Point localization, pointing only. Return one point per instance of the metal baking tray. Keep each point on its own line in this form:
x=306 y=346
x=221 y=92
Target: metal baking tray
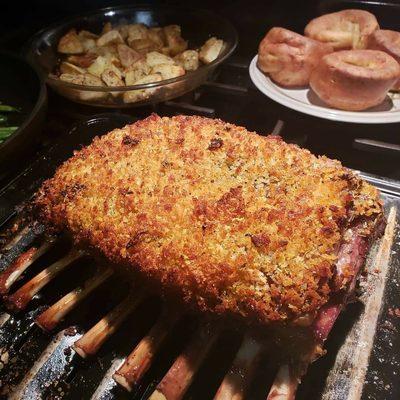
x=362 y=359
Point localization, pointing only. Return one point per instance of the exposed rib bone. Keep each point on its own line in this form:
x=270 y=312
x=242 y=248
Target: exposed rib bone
x=235 y=383
x=20 y=299
x=285 y=385
x=179 y=377
x=93 y=339
x=23 y=232
x=288 y=378
x=53 y=315
x=141 y=358
x=16 y=269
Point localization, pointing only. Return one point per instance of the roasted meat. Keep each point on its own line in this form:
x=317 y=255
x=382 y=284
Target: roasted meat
x=229 y=221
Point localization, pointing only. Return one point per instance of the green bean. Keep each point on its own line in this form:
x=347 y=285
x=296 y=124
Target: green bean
x=7 y=131
x=6 y=108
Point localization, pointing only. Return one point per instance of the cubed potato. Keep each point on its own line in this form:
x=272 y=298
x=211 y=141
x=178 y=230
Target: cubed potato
x=70 y=43
x=137 y=31
x=157 y=36
x=88 y=40
x=175 y=42
x=106 y=28
x=127 y=55
x=106 y=51
x=143 y=46
x=111 y=37
x=136 y=71
x=111 y=78
x=133 y=96
x=123 y=30
x=154 y=58
x=91 y=80
x=87 y=35
x=88 y=44
x=104 y=62
x=83 y=61
x=98 y=66
x=168 y=71
x=68 y=68
x=87 y=80
x=210 y=50
x=189 y=60
x=82 y=79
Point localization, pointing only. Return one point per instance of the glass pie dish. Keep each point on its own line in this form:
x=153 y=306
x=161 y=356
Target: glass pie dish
x=197 y=27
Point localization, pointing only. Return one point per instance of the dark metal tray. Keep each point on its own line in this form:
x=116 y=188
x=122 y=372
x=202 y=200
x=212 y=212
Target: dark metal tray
x=361 y=350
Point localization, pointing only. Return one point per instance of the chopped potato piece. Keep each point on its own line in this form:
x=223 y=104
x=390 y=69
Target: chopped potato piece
x=111 y=37
x=127 y=55
x=123 y=30
x=106 y=51
x=157 y=36
x=132 y=96
x=70 y=43
x=168 y=71
x=143 y=45
x=88 y=44
x=136 y=71
x=87 y=35
x=210 y=50
x=98 y=67
x=111 y=78
x=82 y=79
x=106 y=28
x=137 y=31
x=175 y=42
x=189 y=60
x=68 y=68
x=83 y=61
x=87 y=80
x=88 y=40
x=101 y=63
x=154 y=58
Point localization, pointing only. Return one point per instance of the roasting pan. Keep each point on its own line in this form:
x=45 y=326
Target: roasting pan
x=362 y=359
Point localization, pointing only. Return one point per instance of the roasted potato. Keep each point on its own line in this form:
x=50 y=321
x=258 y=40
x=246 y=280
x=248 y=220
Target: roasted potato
x=133 y=96
x=157 y=36
x=68 y=68
x=210 y=50
x=87 y=80
x=110 y=78
x=127 y=55
x=189 y=60
x=137 y=31
x=106 y=28
x=175 y=43
x=70 y=43
x=154 y=58
x=111 y=37
x=143 y=46
x=83 y=61
x=136 y=71
x=168 y=71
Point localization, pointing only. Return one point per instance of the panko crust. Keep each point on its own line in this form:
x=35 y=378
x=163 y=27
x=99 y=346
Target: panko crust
x=233 y=222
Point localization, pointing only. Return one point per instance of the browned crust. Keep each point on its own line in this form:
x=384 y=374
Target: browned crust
x=250 y=227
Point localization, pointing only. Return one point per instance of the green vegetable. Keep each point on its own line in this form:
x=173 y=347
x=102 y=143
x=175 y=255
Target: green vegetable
x=7 y=131
x=6 y=108
x=3 y=118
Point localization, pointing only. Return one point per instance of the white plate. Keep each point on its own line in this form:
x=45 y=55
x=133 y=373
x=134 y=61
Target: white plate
x=306 y=101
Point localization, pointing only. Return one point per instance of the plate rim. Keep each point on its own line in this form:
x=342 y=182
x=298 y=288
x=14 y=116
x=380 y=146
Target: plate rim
x=378 y=117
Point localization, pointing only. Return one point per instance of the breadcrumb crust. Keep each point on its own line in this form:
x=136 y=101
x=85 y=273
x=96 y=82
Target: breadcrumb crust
x=234 y=222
